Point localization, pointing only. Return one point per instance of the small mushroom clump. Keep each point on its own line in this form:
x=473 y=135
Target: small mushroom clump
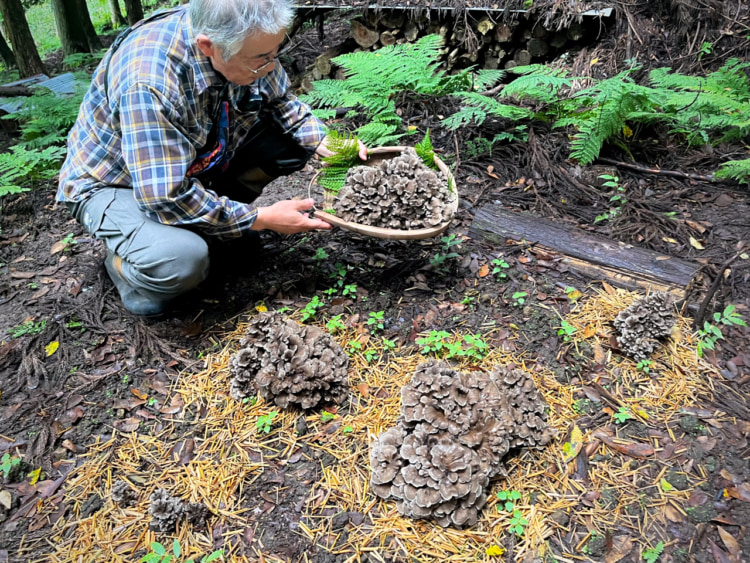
x=642 y=324
x=165 y=511
x=289 y=364
x=454 y=431
x=122 y=494
x=400 y=193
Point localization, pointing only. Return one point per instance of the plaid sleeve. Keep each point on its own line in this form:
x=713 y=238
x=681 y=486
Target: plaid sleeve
x=290 y=113
x=158 y=154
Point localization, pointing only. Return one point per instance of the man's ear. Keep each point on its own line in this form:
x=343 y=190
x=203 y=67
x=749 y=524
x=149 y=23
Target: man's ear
x=205 y=45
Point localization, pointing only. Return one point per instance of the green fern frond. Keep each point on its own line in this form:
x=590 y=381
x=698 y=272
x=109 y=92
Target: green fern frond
x=735 y=170
x=345 y=150
x=21 y=166
x=426 y=152
x=543 y=88
x=378 y=134
x=465 y=116
x=486 y=78
x=324 y=114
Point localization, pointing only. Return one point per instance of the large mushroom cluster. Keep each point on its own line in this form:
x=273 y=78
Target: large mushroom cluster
x=398 y=193
x=454 y=430
x=289 y=364
x=641 y=325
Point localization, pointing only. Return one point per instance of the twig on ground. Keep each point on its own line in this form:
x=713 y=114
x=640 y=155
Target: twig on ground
x=673 y=173
x=699 y=316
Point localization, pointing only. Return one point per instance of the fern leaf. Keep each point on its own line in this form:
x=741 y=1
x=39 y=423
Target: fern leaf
x=735 y=170
x=426 y=152
x=487 y=78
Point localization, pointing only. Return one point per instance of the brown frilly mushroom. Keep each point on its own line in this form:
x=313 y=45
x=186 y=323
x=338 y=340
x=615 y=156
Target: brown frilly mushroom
x=122 y=494
x=289 y=364
x=400 y=193
x=641 y=325
x=165 y=511
x=454 y=431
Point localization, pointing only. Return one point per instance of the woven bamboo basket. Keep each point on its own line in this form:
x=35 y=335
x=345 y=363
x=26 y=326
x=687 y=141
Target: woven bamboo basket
x=375 y=156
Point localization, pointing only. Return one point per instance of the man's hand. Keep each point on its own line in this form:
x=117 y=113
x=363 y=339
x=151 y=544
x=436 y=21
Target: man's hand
x=286 y=217
x=324 y=151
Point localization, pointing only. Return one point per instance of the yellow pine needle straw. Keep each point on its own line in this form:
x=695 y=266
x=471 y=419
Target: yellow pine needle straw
x=230 y=452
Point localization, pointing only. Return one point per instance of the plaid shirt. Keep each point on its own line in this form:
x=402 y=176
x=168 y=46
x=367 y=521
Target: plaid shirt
x=146 y=129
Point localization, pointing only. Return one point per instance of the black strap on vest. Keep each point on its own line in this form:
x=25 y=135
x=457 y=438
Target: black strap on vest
x=124 y=35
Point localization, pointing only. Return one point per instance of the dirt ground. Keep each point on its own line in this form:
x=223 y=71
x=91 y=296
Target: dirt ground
x=77 y=371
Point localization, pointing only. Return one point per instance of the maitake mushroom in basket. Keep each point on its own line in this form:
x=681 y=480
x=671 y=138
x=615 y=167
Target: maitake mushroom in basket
x=454 y=430
x=400 y=193
x=289 y=364
x=643 y=323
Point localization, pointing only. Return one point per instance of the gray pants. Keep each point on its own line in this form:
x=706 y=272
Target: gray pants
x=163 y=270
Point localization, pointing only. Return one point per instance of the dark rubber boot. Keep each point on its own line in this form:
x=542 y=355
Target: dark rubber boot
x=136 y=301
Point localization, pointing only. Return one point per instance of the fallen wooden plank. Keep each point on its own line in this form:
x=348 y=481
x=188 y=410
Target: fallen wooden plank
x=621 y=264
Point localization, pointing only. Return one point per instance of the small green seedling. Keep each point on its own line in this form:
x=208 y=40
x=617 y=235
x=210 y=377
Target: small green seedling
x=75 y=323
x=326 y=416
x=159 y=554
x=518 y=523
x=250 y=401
x=349 y=290
x=566 y=330
x=27 y=328
x=347 y=430
x=370 y=355
x=265 y=422
x=375 y=322
x=499 y=265
x=622 y=415
x=468 y=300
x=308 y=313
x=509 y=499
x=335 y=325
x=320 y=255
x=7 y=463
x=710 y=334
x=389 y=344
x=439 y=260
x=435 y=342
x=519 y=298
x=652 y=554
x=477 y=348
x=354 y=346
x=644 y=365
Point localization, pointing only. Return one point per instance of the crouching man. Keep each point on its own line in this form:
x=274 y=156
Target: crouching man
x=188 y=117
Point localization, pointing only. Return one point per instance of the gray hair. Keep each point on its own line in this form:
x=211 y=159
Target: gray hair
x=227 y=23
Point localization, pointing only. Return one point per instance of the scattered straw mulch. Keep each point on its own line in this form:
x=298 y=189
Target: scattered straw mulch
x=228 y=453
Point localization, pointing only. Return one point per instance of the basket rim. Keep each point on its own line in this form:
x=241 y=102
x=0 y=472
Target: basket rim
x=381 y=232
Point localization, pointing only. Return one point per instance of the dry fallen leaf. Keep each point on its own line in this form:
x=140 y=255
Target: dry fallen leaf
x=483 y=271
x=621 y=547
x=572 y=448
x=730 y=542
x=364 y=389
x=127 y=424
x=672 y=514
x=6 y=500
x=140 y=394
x=696 y=244
x=589 y=331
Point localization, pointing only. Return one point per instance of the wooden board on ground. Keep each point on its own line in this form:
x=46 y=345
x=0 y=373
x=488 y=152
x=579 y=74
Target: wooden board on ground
x=594 y=256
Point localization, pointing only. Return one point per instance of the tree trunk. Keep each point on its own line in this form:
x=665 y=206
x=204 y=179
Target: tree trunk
x=134 y=9
x=114 y=11
x=6 y=54
x=19 y=36
x=88 y=26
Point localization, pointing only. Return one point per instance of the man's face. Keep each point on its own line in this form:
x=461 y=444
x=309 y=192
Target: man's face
x=254 y=60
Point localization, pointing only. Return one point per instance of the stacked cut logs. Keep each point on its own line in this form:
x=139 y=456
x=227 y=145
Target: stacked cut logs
x=485 y=40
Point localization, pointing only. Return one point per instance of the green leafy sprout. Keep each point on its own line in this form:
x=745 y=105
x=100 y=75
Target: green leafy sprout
x=652 y=554
x=439 y=260
x=622 y=415
x=375 y=321
x=27 y=328
x=310 y=310
x=499 y=265
x=159 y=554
x=509 y=499
x=519 y=298
x=265 y=422
x=566 y=330
x=7 y=463
x=335 y=324
x=644 y=365
x=710 y=333
x=326 y=416
x=320 y=255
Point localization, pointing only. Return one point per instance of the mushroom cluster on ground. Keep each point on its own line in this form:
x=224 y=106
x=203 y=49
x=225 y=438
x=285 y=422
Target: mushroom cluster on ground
x=399 y=193
x=166 y=511
x=289 y=364
x=123 y=494
x=454 y=430
x=641 y=325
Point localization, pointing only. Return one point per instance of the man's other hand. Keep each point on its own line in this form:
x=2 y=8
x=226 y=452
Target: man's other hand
x=287 y=217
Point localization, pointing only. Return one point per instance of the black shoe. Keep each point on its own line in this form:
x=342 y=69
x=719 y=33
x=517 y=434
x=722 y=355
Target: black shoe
x=135 y=301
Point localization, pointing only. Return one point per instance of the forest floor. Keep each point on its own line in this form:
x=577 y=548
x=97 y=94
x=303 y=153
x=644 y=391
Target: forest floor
x=91 y=394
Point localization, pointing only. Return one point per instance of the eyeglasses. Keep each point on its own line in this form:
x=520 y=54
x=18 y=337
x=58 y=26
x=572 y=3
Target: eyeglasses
x=271 y=60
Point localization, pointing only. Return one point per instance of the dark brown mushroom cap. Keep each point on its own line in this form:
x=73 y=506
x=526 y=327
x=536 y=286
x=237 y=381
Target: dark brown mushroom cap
x=123 y=494
x=289 y=364
x=642 y=324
